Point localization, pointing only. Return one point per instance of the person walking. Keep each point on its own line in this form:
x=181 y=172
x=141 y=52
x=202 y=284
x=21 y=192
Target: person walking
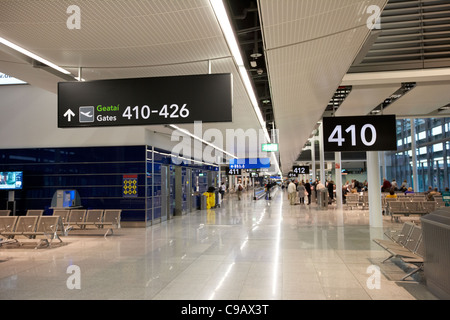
x=239 y=189
x=292 y=192
x=222 y=190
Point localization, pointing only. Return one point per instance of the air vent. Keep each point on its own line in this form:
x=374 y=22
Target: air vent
x=404 y=89
x=414 y=34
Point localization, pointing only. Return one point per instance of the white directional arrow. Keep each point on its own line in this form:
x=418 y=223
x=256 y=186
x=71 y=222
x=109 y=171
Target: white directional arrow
x=69 y=114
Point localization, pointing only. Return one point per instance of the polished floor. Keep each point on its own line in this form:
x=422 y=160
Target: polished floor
x=258 y=250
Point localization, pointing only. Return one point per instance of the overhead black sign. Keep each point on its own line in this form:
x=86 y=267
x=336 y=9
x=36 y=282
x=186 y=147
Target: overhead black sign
x=292 y=175
x=300 y=169
x=145 y=101
x=234 y=172
x=364 y=133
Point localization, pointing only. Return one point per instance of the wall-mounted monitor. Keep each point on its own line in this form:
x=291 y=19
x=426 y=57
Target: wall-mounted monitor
x=11 y=180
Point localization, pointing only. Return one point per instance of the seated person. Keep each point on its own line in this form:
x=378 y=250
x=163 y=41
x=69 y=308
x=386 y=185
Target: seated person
x=409 y=191
x=432 y=194
x=391 y=194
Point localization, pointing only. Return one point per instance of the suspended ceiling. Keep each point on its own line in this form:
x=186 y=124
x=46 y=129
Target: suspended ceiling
x=307 y=47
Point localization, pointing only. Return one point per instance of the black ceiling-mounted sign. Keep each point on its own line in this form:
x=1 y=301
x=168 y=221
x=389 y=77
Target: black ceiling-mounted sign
x=300 y=169
x=361 y=133
x=145 y=101
x=234 y=172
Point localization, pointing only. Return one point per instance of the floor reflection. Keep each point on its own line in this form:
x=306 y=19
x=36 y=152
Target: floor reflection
x=243 y=250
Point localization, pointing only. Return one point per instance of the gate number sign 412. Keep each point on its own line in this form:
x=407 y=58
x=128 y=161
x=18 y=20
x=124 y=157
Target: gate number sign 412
x=365 y=133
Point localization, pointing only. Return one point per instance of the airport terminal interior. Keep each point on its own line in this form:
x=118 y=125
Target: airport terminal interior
x=224 y=150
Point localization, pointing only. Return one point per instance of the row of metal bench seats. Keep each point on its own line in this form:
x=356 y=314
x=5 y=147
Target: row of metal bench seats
x=35 y=223
x=99 y=218
x=356 y=200
x=398 y=209
x=5 y=213
x=30 y=227
x=407 y=245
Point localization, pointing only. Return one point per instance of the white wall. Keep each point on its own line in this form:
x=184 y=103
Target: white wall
x=28 y=119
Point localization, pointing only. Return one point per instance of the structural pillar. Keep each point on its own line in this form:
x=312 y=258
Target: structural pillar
x=321 y=155
x=338 y=177
x=414 y=157
x=374 y=189
x=382 y=156
x=313 y=157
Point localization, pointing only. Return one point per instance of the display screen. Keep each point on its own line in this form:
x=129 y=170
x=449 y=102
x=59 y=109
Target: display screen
x=11 y=180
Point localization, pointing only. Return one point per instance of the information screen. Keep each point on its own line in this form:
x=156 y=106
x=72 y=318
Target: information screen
x=364 y=133
x=145 y=101
x=11 y=180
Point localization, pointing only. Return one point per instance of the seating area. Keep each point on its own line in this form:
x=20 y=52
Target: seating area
x=405 y=244
x=51 y=227
x=409 y=206
x=5 y=213
x=31 y=226
x=94 y=219
x=357 y=200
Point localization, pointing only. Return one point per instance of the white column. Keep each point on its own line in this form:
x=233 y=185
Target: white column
x=321 y=155
x=414 y=156
x=382 y=157
x=313 y=157
x=338 y=178
x=374 y=186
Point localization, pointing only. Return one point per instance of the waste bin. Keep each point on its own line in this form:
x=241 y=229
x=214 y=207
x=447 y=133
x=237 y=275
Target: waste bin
x=322 y=194
x=436 y=237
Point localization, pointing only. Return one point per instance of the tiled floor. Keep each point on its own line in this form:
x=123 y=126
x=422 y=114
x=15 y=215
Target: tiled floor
x=244 y=250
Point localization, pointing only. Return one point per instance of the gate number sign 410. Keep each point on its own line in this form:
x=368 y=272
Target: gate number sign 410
x=364 y=133
x=336 y=135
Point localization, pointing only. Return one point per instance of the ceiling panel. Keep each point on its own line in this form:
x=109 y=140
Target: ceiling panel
x=125 y=39
x=121 y=33
x=423 y=99
x=307 y=60
x=363 y=99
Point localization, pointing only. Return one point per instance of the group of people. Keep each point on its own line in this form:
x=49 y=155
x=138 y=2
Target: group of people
x=388 y=185
x=239 y=188
x=392 y=187
x=300 y=190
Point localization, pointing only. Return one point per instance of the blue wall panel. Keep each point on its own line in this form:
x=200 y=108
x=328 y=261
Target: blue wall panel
x=95 y=172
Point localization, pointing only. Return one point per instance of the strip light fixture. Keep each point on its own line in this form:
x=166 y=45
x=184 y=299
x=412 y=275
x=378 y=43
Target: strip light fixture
x=225 y=25
x=32 y=55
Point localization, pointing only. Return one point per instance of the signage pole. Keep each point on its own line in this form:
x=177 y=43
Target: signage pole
x=12 y=202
